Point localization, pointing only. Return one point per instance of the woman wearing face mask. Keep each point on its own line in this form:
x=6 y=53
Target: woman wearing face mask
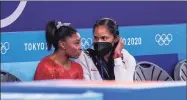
x=108 y=60
x=66 y=41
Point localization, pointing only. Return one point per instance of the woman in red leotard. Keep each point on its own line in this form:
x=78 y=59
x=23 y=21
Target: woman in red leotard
x=66 y=42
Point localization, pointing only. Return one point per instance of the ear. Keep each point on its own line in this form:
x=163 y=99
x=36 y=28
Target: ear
x=62 y=44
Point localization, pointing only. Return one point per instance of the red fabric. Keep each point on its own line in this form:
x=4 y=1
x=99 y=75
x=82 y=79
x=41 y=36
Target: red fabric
x=48 y=69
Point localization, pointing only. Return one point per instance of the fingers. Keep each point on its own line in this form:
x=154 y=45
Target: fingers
x=117 y=39
x=121 y=41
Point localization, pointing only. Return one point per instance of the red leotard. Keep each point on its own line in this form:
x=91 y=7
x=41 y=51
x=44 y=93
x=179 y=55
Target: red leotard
x=48 y=69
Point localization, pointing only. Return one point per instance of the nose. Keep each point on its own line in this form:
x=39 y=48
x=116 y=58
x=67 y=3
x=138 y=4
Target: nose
x=80 y=47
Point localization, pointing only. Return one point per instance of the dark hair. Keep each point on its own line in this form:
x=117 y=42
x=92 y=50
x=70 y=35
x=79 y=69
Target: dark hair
x=56 y=31
x=113 y=28
x=110 y=23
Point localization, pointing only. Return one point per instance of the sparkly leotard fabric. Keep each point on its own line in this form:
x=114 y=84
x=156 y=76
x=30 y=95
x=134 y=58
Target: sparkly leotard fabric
x=47 y=69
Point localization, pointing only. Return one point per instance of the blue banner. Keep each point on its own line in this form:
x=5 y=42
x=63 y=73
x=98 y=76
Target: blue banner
x=142 y=40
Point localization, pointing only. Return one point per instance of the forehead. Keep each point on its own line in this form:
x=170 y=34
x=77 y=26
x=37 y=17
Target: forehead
x=75 y=36
x=101 y=31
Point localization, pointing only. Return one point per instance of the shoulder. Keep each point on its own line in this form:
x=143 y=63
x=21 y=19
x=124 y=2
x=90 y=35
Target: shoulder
x=46 y=61
x=76 y=65
x=126 y=54
x=84 y=56
x=86 y=59
x=127 y=57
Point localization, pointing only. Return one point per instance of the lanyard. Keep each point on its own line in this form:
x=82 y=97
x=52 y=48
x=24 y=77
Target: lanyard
x=102 y=70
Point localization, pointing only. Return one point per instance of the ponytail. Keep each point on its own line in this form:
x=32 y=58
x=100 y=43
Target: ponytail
x=50 y=34
x=56 y=31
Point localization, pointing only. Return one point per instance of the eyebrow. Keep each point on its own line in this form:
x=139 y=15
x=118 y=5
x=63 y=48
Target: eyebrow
x=102 y=36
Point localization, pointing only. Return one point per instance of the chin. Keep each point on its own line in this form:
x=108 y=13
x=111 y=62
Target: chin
x=75 y=57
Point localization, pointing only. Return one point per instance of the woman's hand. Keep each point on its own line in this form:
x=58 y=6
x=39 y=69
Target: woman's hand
x=119 y=47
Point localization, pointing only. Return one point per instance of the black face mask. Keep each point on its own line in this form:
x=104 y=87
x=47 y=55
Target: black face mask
x=102 y=48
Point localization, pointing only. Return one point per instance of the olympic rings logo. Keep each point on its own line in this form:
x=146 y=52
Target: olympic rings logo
x=163 y=39
x=4 y=47
x=86 y=43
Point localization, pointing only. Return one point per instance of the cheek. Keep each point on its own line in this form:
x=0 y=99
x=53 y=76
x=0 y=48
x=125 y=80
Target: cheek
x=110 y=40
x=71 y=48
x=73 y=51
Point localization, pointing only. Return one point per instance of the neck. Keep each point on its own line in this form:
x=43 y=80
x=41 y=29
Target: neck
x=61 y=58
